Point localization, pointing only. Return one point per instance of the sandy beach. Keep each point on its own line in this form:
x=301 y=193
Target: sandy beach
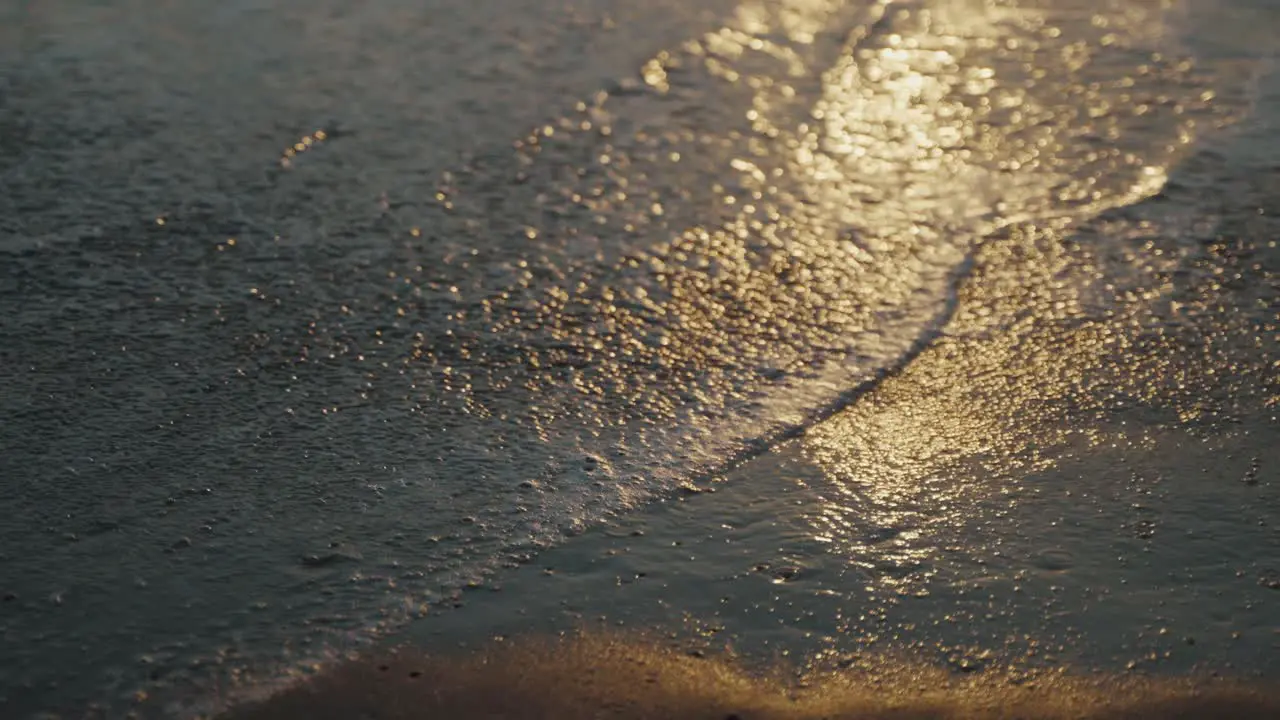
x=600 y=678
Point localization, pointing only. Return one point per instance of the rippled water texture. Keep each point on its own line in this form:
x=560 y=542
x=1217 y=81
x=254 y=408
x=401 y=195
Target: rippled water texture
x=316 y=313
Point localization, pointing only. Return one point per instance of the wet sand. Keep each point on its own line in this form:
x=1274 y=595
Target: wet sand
x=440 y=305
x=1116 y=476
x=601 y=677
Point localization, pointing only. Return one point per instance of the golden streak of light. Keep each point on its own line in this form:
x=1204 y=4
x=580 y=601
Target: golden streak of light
x=867 y=151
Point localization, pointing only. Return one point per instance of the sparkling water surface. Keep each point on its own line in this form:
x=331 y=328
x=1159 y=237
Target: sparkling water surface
x=316 y=315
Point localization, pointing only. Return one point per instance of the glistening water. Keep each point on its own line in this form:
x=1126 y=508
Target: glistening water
x=316 y=314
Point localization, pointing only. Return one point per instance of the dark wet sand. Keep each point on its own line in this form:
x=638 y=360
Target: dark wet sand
x=596 y=677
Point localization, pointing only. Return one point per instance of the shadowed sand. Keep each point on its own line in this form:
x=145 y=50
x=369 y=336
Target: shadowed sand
x=595 y=677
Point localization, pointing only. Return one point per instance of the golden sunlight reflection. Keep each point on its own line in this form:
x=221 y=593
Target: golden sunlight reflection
x=778 y=209
x=998 y=127
x=920 y=450
x=1032 y=366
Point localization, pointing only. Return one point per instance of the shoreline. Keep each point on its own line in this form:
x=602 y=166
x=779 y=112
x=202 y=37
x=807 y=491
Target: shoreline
x=596 y=675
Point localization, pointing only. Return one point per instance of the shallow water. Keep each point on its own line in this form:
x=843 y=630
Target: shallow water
x=317 y=315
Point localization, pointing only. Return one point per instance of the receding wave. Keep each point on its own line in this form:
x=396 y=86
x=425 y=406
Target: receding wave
x=697 y=259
